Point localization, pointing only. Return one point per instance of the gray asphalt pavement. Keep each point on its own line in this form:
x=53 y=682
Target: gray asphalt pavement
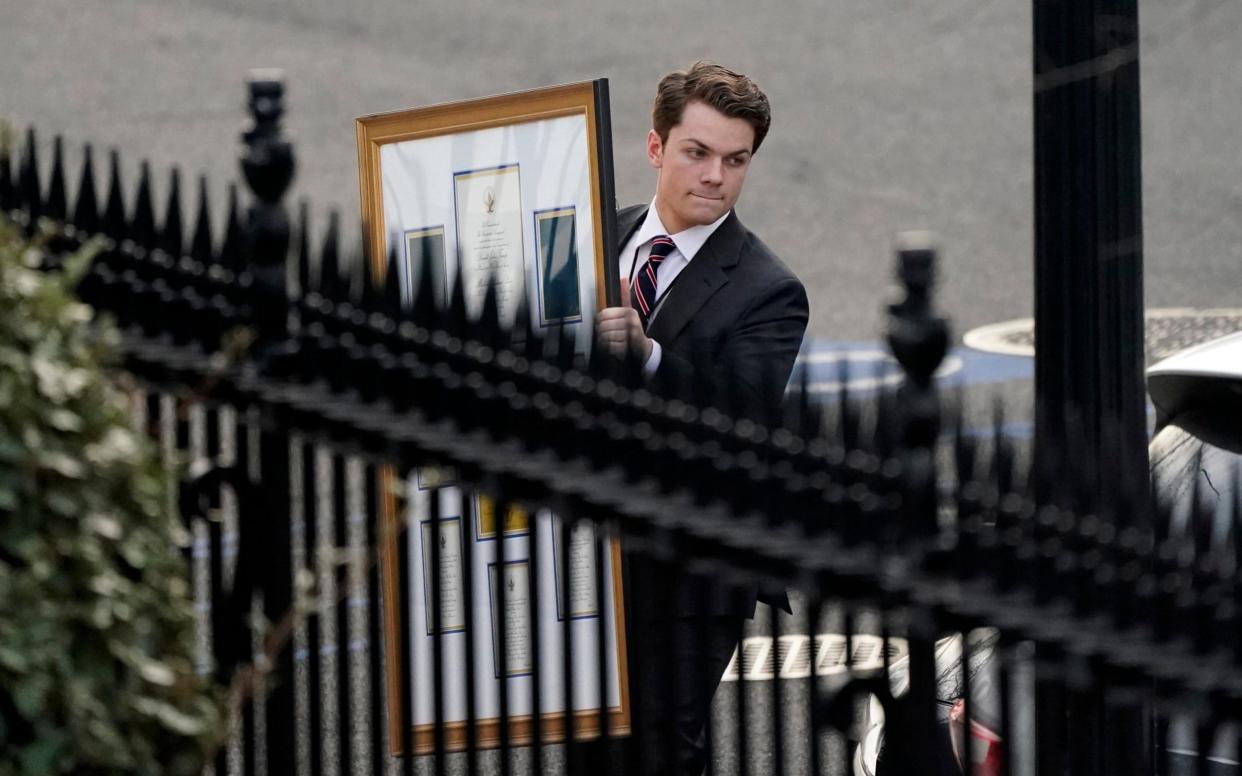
x=888 y=115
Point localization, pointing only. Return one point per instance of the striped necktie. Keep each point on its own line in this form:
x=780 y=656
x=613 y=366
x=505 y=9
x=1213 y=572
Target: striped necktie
x=644 y=289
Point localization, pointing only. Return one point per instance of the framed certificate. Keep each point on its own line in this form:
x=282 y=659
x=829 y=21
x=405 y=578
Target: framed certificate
x=511 y=621
x=576 y=596
x=450 y=580
x=556 y=262
x=519 y=598
x=424 y=246
x=514 y=190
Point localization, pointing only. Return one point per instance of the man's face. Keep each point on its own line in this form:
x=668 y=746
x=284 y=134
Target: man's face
x=702 y=166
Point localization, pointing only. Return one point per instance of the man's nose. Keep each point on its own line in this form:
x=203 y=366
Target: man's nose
x=713 y=171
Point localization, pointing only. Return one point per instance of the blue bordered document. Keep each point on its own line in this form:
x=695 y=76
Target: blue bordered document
x=577 y=595
x=425 y=247
x=556 y=252
x=488 y=207
x=511 y=627
x=452 y=595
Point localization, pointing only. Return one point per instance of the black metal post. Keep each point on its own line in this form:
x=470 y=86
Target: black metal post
x=267 y=162
x=918 y=339
x=1088 y=225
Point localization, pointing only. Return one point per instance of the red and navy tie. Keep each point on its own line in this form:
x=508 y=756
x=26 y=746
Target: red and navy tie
x=644 y=288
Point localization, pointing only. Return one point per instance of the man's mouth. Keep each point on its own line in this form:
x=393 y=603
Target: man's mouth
x=706 y=196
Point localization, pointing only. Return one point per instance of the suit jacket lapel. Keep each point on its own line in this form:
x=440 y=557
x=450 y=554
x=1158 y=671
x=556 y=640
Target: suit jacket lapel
x=628 y=221
x=701 y=278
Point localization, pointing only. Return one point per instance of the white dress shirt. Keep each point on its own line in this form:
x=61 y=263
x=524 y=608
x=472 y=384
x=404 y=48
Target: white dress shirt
x=637 y=249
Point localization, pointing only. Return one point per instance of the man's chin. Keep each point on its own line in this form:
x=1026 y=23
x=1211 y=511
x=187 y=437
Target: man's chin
x=708 y=210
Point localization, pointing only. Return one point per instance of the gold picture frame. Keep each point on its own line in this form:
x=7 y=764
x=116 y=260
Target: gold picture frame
x=457 y=130
x=469 y=187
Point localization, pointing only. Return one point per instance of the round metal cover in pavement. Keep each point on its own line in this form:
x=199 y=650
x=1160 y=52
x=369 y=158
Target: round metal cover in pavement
x=1169 y=330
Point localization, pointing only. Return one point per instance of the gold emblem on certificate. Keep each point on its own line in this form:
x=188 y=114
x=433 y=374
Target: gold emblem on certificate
x=489 y=236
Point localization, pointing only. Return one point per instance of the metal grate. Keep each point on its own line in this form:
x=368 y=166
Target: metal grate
x=1168 y=330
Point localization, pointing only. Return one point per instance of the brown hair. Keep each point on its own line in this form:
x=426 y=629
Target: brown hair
x=733 y=94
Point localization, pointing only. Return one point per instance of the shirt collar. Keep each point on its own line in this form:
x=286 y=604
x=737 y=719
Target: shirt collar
x=688 y=242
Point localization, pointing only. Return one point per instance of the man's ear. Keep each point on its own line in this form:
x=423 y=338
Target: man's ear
x=655 y=149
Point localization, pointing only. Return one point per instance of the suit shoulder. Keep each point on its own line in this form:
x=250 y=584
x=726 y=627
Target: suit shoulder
x=764 y=262
x=630 y=211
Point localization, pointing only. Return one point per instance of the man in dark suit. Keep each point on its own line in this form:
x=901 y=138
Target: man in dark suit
x=702 y=290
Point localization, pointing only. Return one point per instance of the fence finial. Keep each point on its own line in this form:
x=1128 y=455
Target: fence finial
x=919 y=341
x=304 y=249
x=267 y=162
x=142 y=228
x=115 y=224
x=172 y=237
x=231 y=248
x=57 y=201
x=7 y=193
x=86 y=209
x=393 y=305
x=29 y=189
x=201 y=243
x=427 y=302
x=455 y=317
x=333 y=284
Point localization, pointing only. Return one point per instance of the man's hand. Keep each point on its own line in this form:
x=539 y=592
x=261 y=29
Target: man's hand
x=618 y=328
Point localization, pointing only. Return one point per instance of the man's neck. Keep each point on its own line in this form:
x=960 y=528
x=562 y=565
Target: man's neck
x=669 y=220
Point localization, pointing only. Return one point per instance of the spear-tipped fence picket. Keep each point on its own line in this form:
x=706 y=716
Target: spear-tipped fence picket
x=308 y=396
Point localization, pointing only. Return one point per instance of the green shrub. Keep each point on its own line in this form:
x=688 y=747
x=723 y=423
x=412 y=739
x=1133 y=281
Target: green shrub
x=96 y=617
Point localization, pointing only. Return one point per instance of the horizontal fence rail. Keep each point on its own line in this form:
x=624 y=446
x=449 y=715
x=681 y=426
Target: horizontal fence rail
x=356 y=457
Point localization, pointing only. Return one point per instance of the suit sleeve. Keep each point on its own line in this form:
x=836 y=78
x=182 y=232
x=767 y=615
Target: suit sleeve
x=758 y=353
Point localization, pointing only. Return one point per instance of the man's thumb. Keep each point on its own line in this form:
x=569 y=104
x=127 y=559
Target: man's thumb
x=625 y=292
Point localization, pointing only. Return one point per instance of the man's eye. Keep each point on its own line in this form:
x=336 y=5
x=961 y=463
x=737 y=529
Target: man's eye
x=696 y=153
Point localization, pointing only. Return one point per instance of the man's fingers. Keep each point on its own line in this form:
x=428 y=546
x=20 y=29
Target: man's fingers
x=615 y=327
x=611 y=316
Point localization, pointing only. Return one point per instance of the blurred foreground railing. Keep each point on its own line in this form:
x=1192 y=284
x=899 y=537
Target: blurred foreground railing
x=333 y=430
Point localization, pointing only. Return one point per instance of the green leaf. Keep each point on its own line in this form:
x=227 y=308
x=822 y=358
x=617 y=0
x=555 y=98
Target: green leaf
x=61 y=463
x=64 y=420
x=77 y=264
x=41 y=756
x=174 y=718
x=13 y=659
x=156 y=673
x=10 y=449
x=107 y=526
x=61 y=503
x=30 y=693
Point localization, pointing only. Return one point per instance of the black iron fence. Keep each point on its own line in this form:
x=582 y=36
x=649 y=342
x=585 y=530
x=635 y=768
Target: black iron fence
x=387 y=495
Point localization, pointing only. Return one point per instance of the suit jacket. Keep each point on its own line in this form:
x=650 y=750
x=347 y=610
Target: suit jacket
x=735 y=313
